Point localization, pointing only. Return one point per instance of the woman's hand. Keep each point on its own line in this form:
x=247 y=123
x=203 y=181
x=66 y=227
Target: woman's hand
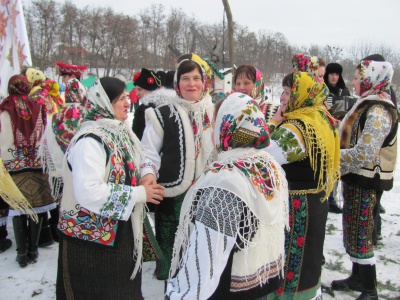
x=229 y=93
x=154 y=192
x=148 y=179
x=278 y=117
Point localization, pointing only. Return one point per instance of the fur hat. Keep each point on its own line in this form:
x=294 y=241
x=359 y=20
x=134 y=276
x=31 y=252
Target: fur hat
x=334 y=68
x=169 y=79
x=67 y=69
x=147 y=79
x=162 y=75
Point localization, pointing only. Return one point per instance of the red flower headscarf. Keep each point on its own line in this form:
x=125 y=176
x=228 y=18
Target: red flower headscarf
x=24 y=113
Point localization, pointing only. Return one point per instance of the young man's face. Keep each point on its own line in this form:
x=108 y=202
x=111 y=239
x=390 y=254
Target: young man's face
x=333 y=78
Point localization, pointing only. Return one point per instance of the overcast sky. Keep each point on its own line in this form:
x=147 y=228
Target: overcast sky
x=335 y=22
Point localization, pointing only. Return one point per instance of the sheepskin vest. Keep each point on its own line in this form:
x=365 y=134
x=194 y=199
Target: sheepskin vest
x=377 y=174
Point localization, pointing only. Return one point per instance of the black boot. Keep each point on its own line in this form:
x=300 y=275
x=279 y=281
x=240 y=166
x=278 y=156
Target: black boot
x=353 y=282
x=54 y=216
x=368 y=279
x=21 y=237
x=46 y=236
x=34 y=232
x=5 y=243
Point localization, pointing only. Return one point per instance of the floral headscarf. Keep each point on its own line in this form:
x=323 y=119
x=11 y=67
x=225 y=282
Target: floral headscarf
x=53 y=89
x=67 y=121
x=24 y=114
x=243 y=125
x=305 y=63
x=258 y=92
x=98 y=106
x=37 y=80
x=38 y=92
x=306 y=104
x=375 y=78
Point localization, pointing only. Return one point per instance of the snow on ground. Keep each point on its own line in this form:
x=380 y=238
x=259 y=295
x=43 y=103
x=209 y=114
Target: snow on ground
x=38 y=280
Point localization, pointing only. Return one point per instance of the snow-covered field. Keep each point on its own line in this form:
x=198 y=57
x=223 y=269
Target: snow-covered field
x=38 y=280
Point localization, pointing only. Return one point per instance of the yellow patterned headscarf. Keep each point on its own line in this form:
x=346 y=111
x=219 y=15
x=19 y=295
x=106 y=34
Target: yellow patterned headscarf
x=36 y=78
x=306 y=104
x=54 y=92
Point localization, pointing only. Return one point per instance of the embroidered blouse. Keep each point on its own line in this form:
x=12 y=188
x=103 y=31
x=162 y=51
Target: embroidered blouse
x=91 y=191
x=377 y=127
x=287 y=144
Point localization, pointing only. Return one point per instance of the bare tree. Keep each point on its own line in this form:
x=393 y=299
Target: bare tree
x=43 y=28
x=333 y=53
x=119 y=44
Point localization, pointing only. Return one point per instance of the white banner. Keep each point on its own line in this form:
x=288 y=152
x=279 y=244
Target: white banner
x=14 y=44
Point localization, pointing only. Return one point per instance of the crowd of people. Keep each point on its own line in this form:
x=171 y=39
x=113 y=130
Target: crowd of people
x=240 y=186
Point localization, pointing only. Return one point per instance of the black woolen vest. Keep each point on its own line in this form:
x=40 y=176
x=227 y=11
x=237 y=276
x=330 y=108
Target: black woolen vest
x=173 y=150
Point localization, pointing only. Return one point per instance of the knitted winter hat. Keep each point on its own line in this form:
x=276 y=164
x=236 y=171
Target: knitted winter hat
x=147 y=79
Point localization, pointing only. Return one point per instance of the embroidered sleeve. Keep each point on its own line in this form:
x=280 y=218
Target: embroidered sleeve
x=152 y=144
x=287 y=144
x=377 y=127
x=109 y=200
x=272 y=125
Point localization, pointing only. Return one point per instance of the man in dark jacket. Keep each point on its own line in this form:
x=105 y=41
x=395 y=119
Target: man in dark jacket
x=337 y=90
x=334 y=80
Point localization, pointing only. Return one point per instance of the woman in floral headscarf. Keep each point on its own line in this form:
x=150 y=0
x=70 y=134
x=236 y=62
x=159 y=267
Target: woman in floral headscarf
x=53 y=89
x=249 y=80
x=22 y=123
x=230 y=239
x=306 y=144
x=177 y=142
x=305 y=63
x=102 y=209
x=38 y=92
x=368 y=139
